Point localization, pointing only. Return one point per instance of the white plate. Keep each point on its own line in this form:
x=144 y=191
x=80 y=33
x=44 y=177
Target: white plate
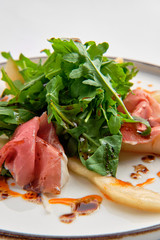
x=22 y=219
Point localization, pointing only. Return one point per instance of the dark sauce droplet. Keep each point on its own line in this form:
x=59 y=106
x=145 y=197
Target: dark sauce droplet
x=67 y=218
x=135 y=175
x=84 y=208
x=4 y=196
x=140 y=168
x=148 y=158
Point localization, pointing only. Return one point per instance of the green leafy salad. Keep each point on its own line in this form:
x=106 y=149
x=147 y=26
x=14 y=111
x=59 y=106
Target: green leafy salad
x=80 y=89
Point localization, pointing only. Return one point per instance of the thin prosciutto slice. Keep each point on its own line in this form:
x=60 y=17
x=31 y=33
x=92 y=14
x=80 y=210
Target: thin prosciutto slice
x=48 y=133
x=47 y=168
x=19 y=153
x=142 y=104
x=35 y=157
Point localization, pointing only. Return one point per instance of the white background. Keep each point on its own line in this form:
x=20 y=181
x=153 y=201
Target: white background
x=132 y=28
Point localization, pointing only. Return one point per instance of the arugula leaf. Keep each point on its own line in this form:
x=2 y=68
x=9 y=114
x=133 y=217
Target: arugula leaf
x=53 y=88
x=114 y=124
x=97 y=162
x=71 y=57
x=6 y=55
x=146 y=123
x=118 y=77
x=46 y=51
x=113 y=144
x=96 y=51
x=13 y=89
x=52 y=66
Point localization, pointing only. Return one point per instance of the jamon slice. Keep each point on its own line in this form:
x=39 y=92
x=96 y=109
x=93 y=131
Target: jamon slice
x=48 y=133
x=47 y=168
x=142 y=104
x=35 y=157
x=19 y=153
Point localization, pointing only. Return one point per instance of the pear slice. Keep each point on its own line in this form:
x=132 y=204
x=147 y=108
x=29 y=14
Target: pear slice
x=13 y=71
x=118 y=191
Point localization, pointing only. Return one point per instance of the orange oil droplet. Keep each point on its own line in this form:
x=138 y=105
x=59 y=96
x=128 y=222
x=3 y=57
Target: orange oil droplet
x=148 y=181
x=13 y=184
x=4 y=188
x=122 y=183
x=69 y=201
x=158 y=174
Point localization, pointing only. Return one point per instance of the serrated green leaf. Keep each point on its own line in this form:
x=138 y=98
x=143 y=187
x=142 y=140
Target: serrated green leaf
x=96 y=51
x=6 y=55
x=91 y=83
x=114 y=124
x=76 y=73
x=53 y=87
x=13 y=89
x=71 y=57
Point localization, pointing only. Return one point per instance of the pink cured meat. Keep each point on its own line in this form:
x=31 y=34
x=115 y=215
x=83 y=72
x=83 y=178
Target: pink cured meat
x=19 y=153
x=48 y=133
x=140 y=103
x=47 y=168
x=41 y=164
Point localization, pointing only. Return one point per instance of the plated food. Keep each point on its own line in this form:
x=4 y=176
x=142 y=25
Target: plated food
x=85 y=99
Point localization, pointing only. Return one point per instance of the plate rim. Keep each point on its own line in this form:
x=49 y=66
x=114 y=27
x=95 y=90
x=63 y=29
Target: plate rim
x=144 y=67
x=118 y=235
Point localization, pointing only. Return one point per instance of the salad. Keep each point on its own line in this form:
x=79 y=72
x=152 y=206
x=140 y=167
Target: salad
x=77 y=94
x=80 y=89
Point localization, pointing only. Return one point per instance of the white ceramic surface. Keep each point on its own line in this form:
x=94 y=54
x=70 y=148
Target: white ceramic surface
x=19 y=216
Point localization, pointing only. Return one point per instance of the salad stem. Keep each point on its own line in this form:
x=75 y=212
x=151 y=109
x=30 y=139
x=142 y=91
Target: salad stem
x=61 y=115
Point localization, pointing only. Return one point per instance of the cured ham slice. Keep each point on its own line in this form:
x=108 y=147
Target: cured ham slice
x=142 y=104
x=35 y=157
x=19 y=153
x=47 y=168
x=48 y=133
